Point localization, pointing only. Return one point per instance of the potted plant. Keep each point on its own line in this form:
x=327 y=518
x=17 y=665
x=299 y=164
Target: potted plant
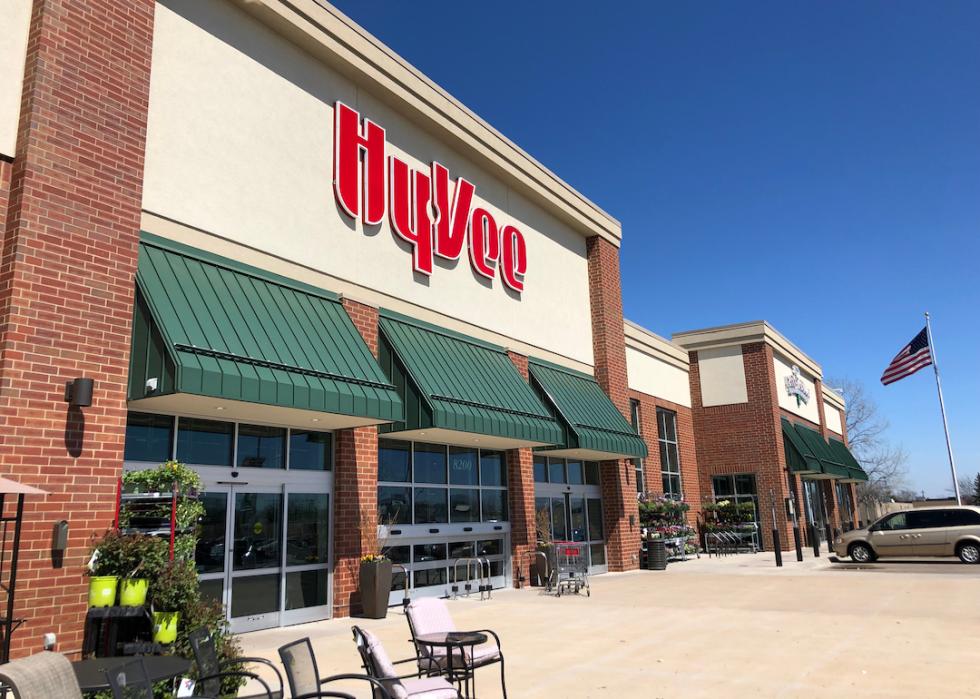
x=173 y=589
x=121 y=556
x=375 y=574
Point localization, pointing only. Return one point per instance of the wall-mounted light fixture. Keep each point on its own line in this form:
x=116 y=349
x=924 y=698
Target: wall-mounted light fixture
x=78 y=393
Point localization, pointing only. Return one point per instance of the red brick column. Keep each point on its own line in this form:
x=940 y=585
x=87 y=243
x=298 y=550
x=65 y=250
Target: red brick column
x=619 y=507
x=520 y=496
x=355 y=486
x=70 y=240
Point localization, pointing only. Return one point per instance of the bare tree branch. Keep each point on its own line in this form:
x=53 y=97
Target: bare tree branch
x=885 y=463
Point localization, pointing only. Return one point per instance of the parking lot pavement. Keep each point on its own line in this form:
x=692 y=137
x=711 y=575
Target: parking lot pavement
x=764 y=564
x=729 y=627
x=922 y=566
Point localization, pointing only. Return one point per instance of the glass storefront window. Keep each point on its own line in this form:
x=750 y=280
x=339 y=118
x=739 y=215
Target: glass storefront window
x=540 y=469
x=399 y=554
x=559 y=529
x=494 y=547
x=205 y=442
x=430 y=506
x=394 y=461
x=462 y=467
x=261 y=447
x=670 y=465
x=464 y=505
x=494 y=505
x=306 y=588
x=578 y=519
x=430 y=463
x=598 y=554
x=592 y=472
x=493 y=469
x=429 y=552
x=595 y=519
x=258 y=530
x=307 y=517
x=556 y=470
x=394 y=504
x=254 y=595
x=210 y=552
x=149 y=437
x=309 y=451
x=461 y=549
x=576 y=476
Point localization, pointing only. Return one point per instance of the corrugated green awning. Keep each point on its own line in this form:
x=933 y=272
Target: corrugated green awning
x=594 y=427
x=209 y=326
x=799 y=458
x=844 y=455
x=830 y=466
x=453 y=382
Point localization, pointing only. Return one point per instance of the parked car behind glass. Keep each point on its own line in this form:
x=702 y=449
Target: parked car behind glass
x=933 y=531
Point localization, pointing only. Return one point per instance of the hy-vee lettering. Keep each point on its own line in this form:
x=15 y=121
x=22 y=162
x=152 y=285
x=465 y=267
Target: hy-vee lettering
x=418 y=204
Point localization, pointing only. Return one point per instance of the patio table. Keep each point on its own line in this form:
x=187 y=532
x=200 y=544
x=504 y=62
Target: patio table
x=450 y=641
x=91 y=673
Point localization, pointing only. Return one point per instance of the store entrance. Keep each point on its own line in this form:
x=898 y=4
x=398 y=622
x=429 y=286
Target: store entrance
x=568 y=499
x=264 y=548
x=815 y=511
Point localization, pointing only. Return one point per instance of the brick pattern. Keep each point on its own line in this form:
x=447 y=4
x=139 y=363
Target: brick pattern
x=70 y=236
x=746 y=438
x=619 y=508
x=652 y=467
x=355 y=486
x=520 y=495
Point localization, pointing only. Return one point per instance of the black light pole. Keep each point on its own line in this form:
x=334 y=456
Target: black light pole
x=828 y=530
x=797 y=540
x=776 y=546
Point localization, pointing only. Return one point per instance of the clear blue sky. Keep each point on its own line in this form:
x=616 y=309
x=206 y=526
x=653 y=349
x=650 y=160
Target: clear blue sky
x=813 y=164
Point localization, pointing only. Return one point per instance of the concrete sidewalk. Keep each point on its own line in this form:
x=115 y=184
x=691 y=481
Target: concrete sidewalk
x=728 y=627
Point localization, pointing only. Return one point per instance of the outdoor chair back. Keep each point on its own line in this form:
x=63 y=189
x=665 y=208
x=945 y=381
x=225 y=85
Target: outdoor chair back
x=431 y=615
x=211 y=671
x=46 y=675
x=304 y=678
x=379 y=665
x=130 y=680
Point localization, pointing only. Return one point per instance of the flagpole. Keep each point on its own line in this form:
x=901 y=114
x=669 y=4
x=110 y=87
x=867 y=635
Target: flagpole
x=942 y=409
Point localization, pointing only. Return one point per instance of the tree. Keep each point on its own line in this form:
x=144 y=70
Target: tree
x=884 y=462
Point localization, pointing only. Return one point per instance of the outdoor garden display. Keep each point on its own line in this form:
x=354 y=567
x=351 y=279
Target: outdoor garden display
x=665 y=519
x=731 y=517
x=158 y=567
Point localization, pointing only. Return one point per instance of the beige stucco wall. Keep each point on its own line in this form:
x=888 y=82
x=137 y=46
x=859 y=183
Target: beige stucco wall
x=809 y=410
x=832 y=417
x=656 y=377
x=722 y=374
x=14 y=24
x=239 y=144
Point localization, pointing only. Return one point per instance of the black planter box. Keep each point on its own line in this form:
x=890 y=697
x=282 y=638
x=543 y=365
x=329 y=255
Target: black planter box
x=375 y=587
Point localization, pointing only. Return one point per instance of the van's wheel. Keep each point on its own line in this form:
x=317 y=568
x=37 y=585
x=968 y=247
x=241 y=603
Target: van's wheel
x=969 y=552
x=861 y=553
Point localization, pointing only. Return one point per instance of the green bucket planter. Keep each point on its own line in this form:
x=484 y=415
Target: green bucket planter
x=102 y=590
x=165 y=626
x=132 y=592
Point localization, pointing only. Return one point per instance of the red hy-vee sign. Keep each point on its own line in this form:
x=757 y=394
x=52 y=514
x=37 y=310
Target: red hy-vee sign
x=419 y=205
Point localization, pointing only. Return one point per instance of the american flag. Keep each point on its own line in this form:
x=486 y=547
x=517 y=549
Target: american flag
x=914 y=356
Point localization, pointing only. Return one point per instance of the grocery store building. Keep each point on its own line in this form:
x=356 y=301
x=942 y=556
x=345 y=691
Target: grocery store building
x=291 y=261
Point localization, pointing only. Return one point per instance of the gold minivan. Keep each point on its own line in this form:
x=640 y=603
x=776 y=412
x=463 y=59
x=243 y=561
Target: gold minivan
x=930 y=531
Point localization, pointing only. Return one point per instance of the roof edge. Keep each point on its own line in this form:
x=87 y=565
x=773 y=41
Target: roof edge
x=328 y=34
x=650 y=343
x=743 y=333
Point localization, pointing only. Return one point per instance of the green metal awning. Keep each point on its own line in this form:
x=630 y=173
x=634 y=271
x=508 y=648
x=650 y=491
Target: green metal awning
x=844 y=455
x=458 y=389
x=799 y=458
x=208 y=326
x=830 y=466
x=593 y=427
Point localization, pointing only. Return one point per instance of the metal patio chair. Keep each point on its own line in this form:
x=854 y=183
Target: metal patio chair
x=211 y=670
x=130 y=680
x=304 y=677
x=46 y=674
x=431 y=615
x=378 y=665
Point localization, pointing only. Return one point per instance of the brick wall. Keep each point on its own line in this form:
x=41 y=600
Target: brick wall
x=690 y=474
x=745 y=438
x=70 y=236
x=355 y=487
x=520 y=495
x=619 y=508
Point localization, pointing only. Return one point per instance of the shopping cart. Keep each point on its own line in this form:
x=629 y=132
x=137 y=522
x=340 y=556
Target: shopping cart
x=570 y=569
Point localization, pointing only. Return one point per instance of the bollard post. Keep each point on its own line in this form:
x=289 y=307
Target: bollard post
x=776 y=546
x=814 y=540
